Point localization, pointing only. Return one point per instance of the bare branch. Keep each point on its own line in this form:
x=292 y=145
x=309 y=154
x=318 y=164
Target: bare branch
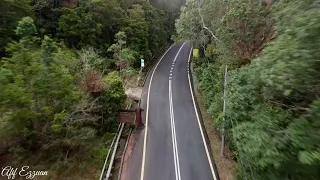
x=291 y=107
x=276 y=131
x=84 y=110
x=203 y=24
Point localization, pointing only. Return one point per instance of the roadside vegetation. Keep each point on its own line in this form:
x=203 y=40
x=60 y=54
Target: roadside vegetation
x=271 y=49
x=63 y=68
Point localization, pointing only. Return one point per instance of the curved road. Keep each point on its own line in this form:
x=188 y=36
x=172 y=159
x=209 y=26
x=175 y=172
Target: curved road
x=172 y=146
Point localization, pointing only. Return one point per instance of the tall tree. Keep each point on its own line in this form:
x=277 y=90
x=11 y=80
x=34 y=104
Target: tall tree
x=10 y=13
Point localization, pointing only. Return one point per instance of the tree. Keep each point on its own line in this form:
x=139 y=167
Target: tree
x=188 y=24
x=136 y=29
x=99 y=21
x=157 y=29
x=47 y=14
x=10 y=13
x=43 y=110
x=124 y=56
x=26 y=27
x=74 y=19
x=39 y=89
x=58 y=102
x=113 y=96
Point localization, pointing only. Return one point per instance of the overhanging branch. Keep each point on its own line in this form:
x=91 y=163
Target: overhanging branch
x=203 y=24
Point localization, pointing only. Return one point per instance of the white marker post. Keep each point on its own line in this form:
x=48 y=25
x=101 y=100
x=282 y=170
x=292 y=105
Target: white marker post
x=142 y=63
x=224 y=110
x=141 y=67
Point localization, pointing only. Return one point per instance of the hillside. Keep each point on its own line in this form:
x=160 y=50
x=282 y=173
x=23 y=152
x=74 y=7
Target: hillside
x=63 y=69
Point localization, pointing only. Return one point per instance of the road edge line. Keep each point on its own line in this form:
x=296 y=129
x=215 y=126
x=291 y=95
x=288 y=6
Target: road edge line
x=147 y=117
x=200 y=127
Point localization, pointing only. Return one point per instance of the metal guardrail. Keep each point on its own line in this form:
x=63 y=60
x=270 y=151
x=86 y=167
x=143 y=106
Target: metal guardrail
x=114 y=145
x=106 y=160
x=122 y=159
x=114 y=152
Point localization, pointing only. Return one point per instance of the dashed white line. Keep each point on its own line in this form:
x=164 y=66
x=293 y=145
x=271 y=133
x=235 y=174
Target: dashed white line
x=173 y=129
x=175 y=58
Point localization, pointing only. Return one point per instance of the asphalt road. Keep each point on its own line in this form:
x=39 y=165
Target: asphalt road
x=172 y=146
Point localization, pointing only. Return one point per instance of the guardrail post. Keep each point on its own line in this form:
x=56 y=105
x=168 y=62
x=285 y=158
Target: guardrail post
x=139 y=122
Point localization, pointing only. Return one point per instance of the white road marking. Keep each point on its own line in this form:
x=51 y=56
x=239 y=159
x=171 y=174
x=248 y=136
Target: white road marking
x=175 y=58
x=173 y=129
x=147 y=119
x=174 y=142
x=200 y=127
x=178 y=177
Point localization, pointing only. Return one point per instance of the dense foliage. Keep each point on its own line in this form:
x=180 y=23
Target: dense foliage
x=10 y=13
x=43 y=109
x=60 y=85
x=272 y=51
x=91 y=23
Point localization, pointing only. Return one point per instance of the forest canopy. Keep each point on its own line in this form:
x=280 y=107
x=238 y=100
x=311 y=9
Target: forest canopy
x=60 y=80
